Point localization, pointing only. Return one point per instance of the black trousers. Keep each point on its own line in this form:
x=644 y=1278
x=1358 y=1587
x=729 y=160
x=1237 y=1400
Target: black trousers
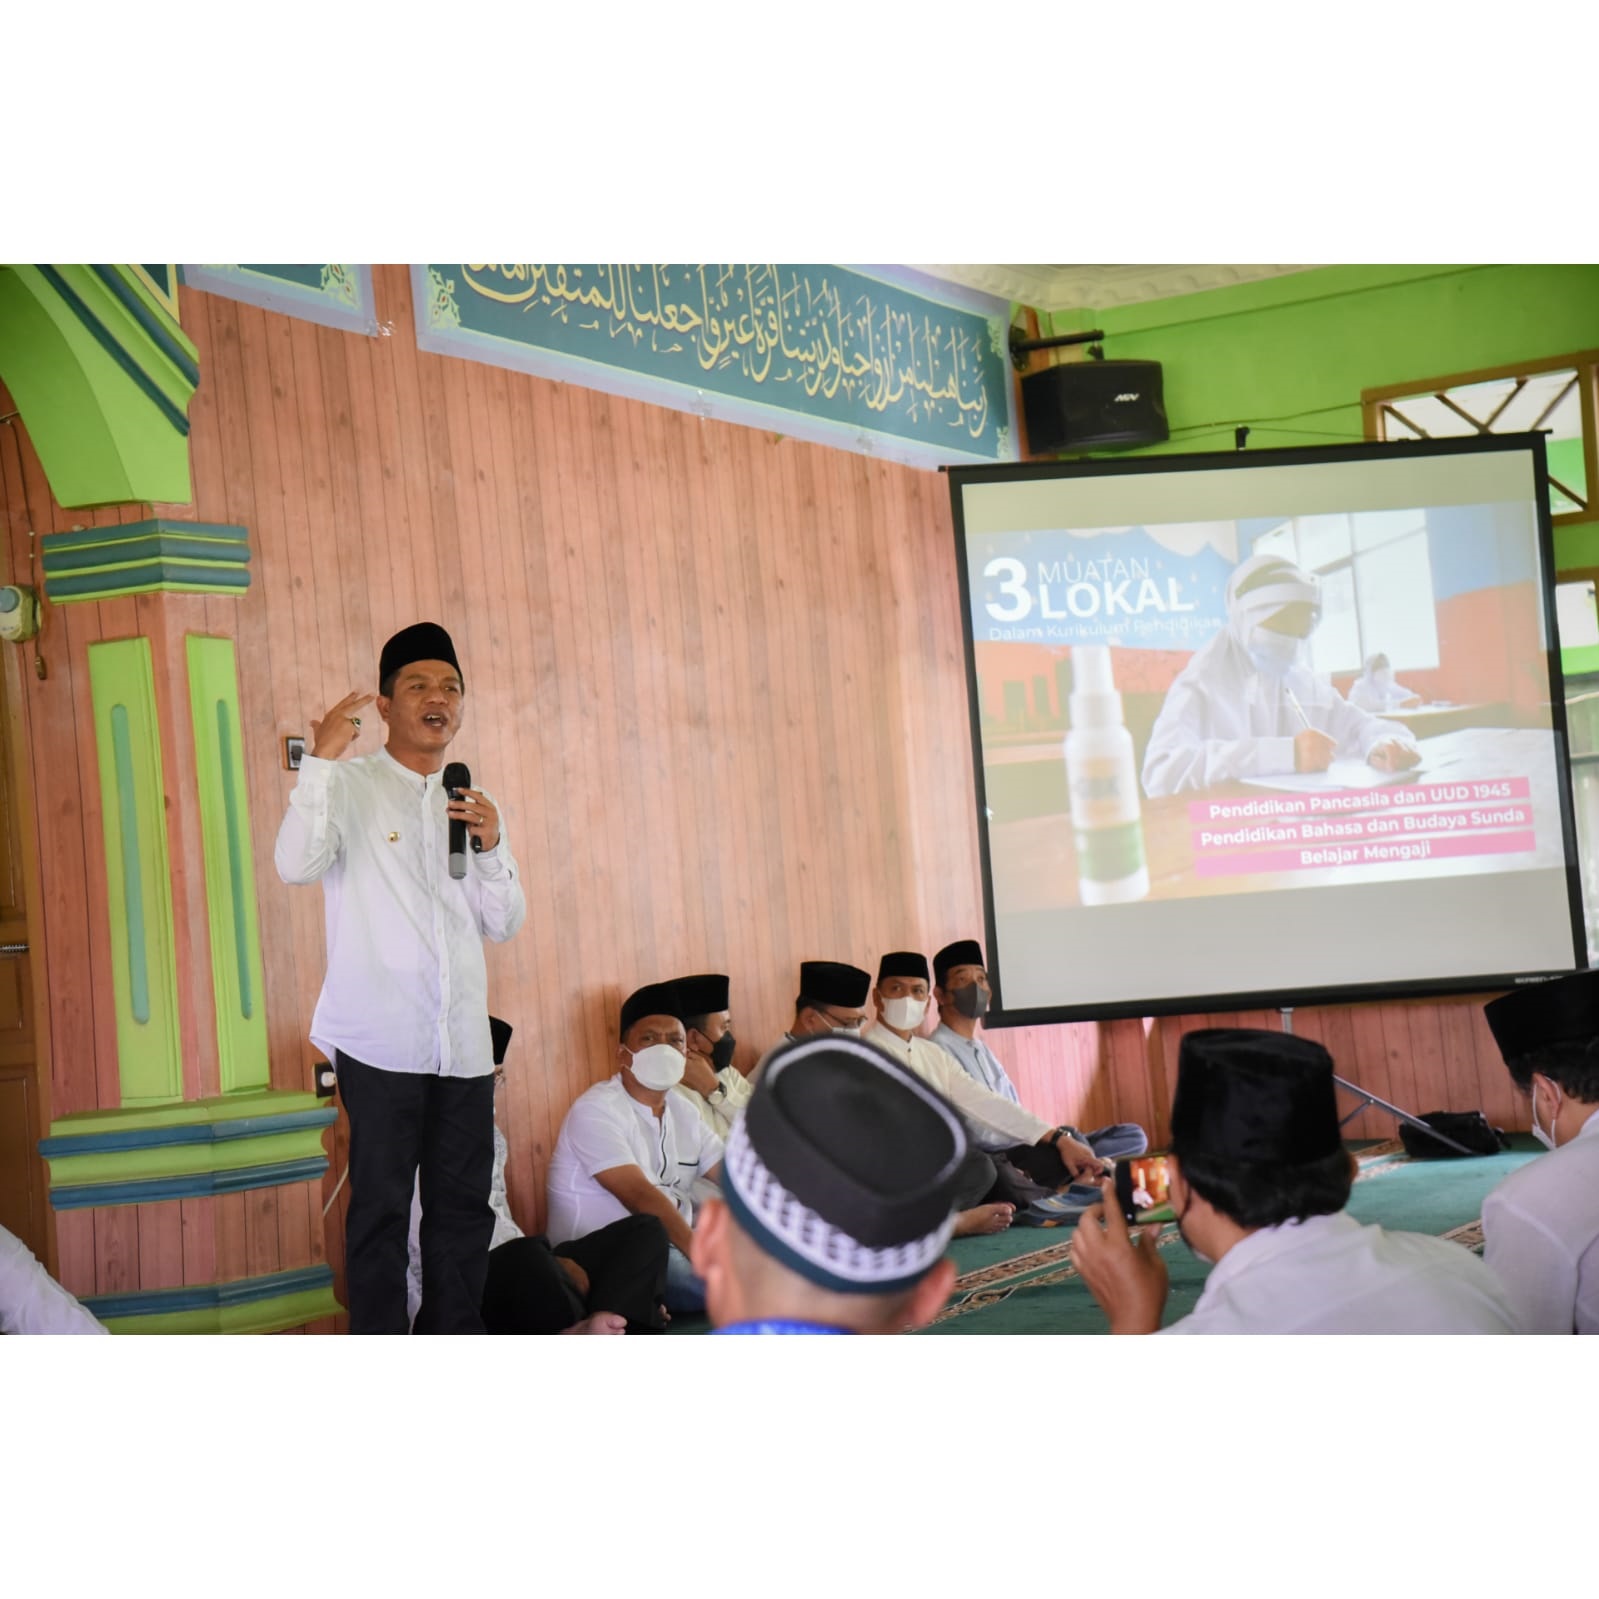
x=402 y=1124
x=527 y=1290
x=975 y=1179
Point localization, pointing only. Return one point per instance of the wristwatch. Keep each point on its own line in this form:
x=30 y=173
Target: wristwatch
x=1067 y=1132
x=721 y=1088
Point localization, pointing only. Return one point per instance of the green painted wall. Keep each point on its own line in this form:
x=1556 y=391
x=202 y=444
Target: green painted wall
x=91 y=382
x=138 y=881
x=236 y=967
x=1300 y=348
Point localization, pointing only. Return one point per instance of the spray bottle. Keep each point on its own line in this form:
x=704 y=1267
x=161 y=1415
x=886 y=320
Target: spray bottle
x=1103 y=784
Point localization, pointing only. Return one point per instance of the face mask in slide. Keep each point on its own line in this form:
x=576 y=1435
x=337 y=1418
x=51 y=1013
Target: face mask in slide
x=971 y=1001
x=905 y=1014
x=722 y=1052
x=658 y=1067
x=1272 y=653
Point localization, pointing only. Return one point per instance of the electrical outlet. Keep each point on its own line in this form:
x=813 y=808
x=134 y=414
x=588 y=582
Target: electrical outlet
x=293 y=749
x=326 y=1079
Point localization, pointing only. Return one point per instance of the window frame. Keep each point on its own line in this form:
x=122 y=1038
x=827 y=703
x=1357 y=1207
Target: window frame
x=1584 y=362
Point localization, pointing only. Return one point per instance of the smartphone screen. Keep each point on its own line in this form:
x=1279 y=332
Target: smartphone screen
x=1143 y=1189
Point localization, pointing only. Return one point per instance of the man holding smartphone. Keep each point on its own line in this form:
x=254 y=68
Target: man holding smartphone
x=1259 y=1178
x=403 y=1012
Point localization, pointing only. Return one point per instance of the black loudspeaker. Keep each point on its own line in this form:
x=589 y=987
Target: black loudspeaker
x=1094 y=405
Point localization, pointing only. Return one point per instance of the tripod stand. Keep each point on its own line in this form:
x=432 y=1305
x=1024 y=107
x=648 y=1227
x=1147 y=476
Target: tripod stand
x=1367 y=1098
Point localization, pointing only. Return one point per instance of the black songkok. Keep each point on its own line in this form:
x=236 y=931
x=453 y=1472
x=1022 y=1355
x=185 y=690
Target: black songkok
x=902 y=963
x=1248 y=1094
x=811 y=1177
x=1565 y=1010
x=833 y=983
x=963 y=952
x=654 y=999
x=422 y=641
x=700 y=996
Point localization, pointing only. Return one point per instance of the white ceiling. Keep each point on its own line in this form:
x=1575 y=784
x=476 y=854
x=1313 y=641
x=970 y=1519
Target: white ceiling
x=1098 y=288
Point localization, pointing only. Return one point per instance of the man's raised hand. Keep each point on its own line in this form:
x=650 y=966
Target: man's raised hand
x=340 y=728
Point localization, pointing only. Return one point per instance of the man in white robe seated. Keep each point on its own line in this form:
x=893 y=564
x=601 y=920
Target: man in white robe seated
x=712 y=1084
x=1540 y=1226
x=901 y=997
x=1024 y=1172
x=630 y=1147
x=1259 y=1179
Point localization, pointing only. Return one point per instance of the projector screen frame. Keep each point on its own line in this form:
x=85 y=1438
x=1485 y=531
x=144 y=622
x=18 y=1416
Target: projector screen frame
x=1300 y=995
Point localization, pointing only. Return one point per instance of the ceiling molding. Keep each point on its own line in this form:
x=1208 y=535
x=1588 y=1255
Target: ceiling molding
x=1099 y=288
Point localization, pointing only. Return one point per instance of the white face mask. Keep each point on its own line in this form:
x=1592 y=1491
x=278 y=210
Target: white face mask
x=848 y=1032
x=1545 y=1136
x=1383 y=677
x=658 y=1067
x=1272 y=653
x=905 y=1014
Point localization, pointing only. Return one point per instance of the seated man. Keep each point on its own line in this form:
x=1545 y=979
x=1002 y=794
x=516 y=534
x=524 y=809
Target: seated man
x=1025 y=1172
x=901 y=1000
x=630 y=1147
x=1540 y=1226
x=31 y=1300
x=1259 y=1179
x=612 y=1281
x=832 y=999
x=839 y=1193
x=712 y=1084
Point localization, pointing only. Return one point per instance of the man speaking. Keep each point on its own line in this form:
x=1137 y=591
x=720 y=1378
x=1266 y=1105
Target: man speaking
x=403 y=1012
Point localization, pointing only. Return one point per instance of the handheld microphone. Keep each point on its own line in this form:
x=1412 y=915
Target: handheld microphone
x=456 y=777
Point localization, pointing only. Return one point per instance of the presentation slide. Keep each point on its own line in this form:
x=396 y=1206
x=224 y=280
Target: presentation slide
x=1271 y=725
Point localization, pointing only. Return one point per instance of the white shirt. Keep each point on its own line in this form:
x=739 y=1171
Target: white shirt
x=1222 y=720
x=505 y=1228
x=1330 y=1274
x=31 y=1300
x=406 y=987
x=1540 y=1231
x=980 y=1063
x=720 y=1112
x=1370 y=695
x=607 y=1128
x=983 y=1110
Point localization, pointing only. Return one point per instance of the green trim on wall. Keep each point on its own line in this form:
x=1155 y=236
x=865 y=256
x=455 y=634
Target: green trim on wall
x=237 y=974
x=138 y=881
x=188 y=1185
x=105 y=404
x=186 y=1113
x=185 y=1160
x=159 y=324
x=138 y=557
x=239 y=1307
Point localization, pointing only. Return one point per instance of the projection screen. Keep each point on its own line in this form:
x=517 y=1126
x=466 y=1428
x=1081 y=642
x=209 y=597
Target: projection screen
x=1266 y=728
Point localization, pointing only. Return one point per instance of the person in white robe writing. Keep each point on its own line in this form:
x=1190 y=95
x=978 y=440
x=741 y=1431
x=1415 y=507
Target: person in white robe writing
x=1248 y=706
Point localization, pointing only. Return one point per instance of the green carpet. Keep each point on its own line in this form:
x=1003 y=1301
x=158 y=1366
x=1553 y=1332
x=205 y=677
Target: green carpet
x=1022 y=1281
x=1003 y=1291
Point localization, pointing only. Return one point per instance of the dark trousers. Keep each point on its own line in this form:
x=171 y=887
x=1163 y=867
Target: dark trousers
x=974 y=1180
x=403 y=1124
x=527 y=1290
x=1032 y=1171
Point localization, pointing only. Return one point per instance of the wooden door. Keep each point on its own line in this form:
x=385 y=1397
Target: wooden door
x=22 y=1177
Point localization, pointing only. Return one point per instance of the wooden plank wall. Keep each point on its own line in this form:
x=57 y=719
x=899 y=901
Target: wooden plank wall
x=713 y=676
